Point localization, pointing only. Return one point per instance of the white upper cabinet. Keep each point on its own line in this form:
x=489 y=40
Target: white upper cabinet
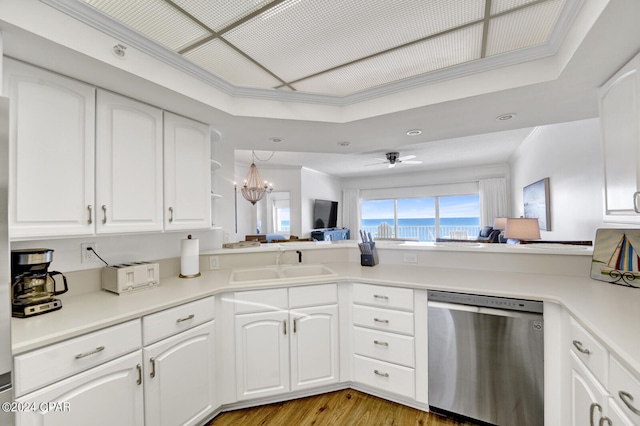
x=52 y=153
x=128 y=165
x=187 y=173
x=620 y=121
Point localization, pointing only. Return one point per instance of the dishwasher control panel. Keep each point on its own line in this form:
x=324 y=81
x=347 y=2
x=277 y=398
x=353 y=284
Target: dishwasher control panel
x=485 y=301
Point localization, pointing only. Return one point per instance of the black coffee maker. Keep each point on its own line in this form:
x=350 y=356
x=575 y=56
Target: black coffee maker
x=32 y=285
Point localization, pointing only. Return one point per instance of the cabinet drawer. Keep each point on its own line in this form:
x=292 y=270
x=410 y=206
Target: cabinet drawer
x=260 y=300
x=171 y=321
x=383 y=319
x=385 y=376
x=387 y=297
x=624 y=386
x=313 y=295
x=384 y=346
x=43 y=366
x=590 y=351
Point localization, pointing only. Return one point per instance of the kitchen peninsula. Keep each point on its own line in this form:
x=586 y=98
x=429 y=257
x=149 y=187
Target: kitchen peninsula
x=558 y=276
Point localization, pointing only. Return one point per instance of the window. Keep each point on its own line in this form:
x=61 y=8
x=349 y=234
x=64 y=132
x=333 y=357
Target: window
x=422 y=219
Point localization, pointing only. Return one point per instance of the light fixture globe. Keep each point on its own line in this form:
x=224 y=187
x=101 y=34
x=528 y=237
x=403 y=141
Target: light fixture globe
x=254 y=188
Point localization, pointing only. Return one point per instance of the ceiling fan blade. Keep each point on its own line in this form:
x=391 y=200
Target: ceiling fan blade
x=374 y=164
x=380 y=159
x=412 y=162
x=406 y=157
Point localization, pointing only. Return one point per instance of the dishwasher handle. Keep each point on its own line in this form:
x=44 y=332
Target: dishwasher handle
x=483 y=310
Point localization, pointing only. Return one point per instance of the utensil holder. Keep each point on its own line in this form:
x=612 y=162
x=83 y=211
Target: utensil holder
x=371 y=258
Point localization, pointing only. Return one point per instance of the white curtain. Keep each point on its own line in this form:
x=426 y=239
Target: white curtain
x=351 y=210
x=493 y=200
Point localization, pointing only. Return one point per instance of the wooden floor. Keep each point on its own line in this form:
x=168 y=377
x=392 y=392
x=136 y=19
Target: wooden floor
x=345 y=407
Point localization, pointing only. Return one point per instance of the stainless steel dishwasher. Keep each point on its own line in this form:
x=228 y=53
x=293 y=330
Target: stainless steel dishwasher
x=486 y=358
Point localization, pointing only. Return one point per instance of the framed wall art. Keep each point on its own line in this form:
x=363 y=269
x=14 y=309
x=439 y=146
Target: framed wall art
x=536 y=203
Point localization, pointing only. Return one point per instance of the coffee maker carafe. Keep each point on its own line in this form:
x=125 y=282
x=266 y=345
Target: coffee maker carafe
x=32 y=285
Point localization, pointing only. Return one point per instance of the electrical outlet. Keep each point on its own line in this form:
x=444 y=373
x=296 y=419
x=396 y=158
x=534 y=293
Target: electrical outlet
x=410 y=258
x=213 y=263
x=88 y=256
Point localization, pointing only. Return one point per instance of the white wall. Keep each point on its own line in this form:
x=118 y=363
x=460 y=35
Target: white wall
x=322 y=186
x=570 y=155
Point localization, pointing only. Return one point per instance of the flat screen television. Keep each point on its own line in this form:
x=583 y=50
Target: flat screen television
x=325 y=214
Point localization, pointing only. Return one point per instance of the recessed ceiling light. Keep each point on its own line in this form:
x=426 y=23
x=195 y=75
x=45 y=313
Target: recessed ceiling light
x=414 y=132
x=276 y=140
x=505 y=117
x=344 y=143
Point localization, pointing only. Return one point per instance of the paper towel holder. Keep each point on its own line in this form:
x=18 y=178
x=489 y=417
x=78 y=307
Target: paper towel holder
x=189 y=275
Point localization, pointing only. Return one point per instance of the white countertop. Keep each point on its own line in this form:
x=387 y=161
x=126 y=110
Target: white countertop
x=609 y=311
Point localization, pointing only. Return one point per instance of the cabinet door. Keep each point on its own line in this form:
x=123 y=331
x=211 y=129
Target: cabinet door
x=262 y=354
x=187 y=173
x=52 y=127
x=315 y=355
x=129 y=165
x=110 y=394
x=179 y=378
x=620 y=121
x=589 y=400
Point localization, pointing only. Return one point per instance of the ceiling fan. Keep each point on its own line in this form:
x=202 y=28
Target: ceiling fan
x=394 y=158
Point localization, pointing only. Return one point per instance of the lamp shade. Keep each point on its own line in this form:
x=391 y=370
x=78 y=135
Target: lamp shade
x=500 y=223
x=522 y=228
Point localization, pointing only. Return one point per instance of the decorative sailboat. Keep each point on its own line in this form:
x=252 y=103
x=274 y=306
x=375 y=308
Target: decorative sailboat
x=624 y=262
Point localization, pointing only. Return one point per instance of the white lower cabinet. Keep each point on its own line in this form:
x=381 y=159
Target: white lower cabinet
x=179 y=378
x=283 y=348
x=110 y=394
x=588 y=399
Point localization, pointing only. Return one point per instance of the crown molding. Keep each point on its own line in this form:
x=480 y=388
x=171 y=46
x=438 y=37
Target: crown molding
x=98 y=20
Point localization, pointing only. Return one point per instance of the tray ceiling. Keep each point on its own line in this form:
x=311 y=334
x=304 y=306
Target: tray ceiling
x=335 y=47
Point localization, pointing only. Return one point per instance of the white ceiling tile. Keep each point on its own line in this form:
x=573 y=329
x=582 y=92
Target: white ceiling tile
x=300 y=38
x=155 y=19
x=498 y=6
x=220 y=13
x=218 y=58
x=527 y=27
x=439 y=52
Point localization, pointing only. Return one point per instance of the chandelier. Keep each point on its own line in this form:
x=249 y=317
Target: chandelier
x=254 y=187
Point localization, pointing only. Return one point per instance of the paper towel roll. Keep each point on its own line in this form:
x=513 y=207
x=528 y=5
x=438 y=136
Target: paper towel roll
x=189 y=258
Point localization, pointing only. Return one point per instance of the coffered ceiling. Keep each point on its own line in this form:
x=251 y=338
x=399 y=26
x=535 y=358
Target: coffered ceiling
x=337 y=47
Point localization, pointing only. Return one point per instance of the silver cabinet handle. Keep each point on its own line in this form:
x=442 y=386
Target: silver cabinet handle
x=153 y=367
x=104 y=214
x=605 y=419
x=284 y=324
x=95 y=351
x=170 y=214
x=636 y=202
x=591 y=410
x=627 y=398
x=90 y=208
x=377 y=342
x=383 y=321
x=295 y=325
x=380 y=296
x=139 y=368
x=187 y=318
x=381 y=374
x=578 y=345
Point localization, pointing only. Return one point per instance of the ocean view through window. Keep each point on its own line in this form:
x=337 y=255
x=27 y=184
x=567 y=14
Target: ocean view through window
x=422 y=219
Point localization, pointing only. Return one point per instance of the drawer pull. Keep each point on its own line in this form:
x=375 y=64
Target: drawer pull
x=627 y=398
x=378 y=342
x=153 y=367
x=591 y=410
x=90 y=208
x=187 y=318
x=578 y=345
x=381 y=374
x=95 y=351
x=139 y=368
x=104 y=214
x=295 y=325
x=380 y=296
x=605 y=419
x=284 y=325
x=381 y=321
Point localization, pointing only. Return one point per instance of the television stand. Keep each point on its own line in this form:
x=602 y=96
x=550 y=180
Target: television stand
x=330 y=234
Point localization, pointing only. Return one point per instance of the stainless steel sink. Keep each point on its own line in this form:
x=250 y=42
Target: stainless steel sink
x=280 y=273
